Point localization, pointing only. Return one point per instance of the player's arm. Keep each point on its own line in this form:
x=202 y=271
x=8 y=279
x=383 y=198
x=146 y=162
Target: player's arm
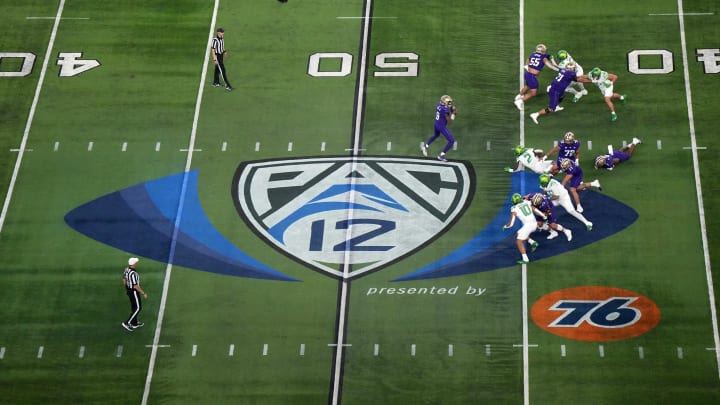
x=551 y=64
x=551 y=152
x=539 y=213
x=612 y=78
x=583 y=79
x=566 y=179
x=140 y=290
x=511 y=222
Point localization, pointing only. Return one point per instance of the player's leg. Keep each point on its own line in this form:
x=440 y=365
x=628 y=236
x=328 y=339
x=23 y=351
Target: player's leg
x=450 y=142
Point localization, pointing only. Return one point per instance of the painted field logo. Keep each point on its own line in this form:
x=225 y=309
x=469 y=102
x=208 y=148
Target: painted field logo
x=348 y=216
x=595 y=313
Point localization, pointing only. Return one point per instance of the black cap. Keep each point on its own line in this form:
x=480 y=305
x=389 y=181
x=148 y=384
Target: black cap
x=220 y=29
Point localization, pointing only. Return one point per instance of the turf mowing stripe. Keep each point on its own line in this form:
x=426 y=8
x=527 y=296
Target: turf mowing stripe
x=40 y=352
x=178 y=218
x=231 y=350
x=31 y=115
x=680 y=14
x=698 y=186
x=118 y=352
x=52 y=18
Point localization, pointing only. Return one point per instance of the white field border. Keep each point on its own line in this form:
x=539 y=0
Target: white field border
x=698 y=187
x=178 y=217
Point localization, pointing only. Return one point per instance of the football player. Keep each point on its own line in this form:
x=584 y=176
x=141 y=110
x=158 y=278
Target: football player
x=616 y=156
x=547 y=221
x=563 y=79
x=573 y=181
x=444 y=114
x=577 y=89
x=534 y=64
x=532 y=159
x=566 y=148
x=605 y=82
x=559 y=195
x=524 y=210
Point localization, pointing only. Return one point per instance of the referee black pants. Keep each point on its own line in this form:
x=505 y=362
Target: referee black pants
x=135 y=306
x=220 y=70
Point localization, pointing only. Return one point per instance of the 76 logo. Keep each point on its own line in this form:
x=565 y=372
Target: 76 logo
x=614 y=312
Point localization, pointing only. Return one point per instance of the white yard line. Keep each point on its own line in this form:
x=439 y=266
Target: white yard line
x=173 y=243
x=31 y=115
x=698 y=187
x=525 y=337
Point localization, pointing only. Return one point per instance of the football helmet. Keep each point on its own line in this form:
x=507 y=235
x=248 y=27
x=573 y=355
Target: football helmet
x=545 y=180
x=518 y=150
x=446 y=100
x=595 y=73
x=516 y=198
x=571 y=66
x=541 y=48
x=562 y=55
x=569 y=137
x=600 y=161
x=565 y=164
x=537 y=199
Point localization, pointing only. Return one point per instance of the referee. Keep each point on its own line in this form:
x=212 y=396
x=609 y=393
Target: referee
x=131 y=280
x=218 y=53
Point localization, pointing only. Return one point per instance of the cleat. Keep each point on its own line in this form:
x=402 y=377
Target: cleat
x=584 y=92
x=523 y=261
x=623 y=99
x=534 y=246
x=424 y=148
x=441 y=157
x=613 y=117
x=596 y=183
x=553 y=234
x=568 y=233
x=588 y=226
x=576 y=99
x=228 y=88
x=579 y=208
x=559 y=108
x=534 y=116
x=518 y=103
x=216 y=84
x=126 y=326
x=636 y=141
x=138 y=325
x=518 y=97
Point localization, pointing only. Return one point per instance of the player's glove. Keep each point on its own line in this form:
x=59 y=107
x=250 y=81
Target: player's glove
x=507 y=169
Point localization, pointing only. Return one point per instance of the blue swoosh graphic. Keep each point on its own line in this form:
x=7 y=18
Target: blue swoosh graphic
x=492 y=248
x=141 y=220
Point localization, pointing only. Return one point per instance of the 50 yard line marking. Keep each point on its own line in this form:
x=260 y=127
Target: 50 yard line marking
x=173 y=242
x=31 y=115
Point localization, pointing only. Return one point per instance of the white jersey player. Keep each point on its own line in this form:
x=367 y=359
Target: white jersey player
x=531 y=158
x=524 y=210
x=560 y=196
x=605 y=82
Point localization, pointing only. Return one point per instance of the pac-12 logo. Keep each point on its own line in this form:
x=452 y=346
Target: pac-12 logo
x=595 y=313
x=346 y=216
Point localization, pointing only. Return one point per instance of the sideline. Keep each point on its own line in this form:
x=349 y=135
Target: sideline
x=31 y=116
x=178 y=217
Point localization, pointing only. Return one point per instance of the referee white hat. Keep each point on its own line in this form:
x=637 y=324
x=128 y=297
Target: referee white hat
x=132 y=261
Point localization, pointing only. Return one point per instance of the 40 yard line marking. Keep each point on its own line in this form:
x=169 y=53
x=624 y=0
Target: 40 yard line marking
x=31 y=114
x=178 y=218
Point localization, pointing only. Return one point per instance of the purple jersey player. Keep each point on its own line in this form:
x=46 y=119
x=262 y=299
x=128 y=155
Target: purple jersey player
x=563 y=79
x=617 y=156
x=567 y=148
x=534 y=65
x=444 y=115
x=543 y=204
x=573 y=181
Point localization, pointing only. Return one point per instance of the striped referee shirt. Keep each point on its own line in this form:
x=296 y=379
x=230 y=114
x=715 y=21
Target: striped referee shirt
x=131 y=278
x=218 y=45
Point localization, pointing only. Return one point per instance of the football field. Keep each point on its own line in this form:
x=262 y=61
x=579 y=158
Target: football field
x=298 y=248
